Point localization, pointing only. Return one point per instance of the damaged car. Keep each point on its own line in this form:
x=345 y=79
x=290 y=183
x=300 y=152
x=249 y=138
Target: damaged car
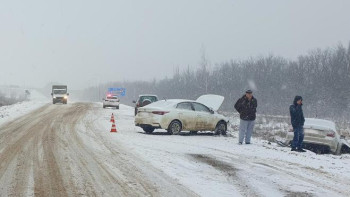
x=321 y=136
x=176 y=115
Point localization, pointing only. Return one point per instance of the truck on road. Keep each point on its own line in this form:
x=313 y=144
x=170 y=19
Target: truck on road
x=59 y=94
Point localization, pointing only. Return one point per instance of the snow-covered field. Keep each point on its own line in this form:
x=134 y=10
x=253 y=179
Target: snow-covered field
x=10 y=112
x=218 y=166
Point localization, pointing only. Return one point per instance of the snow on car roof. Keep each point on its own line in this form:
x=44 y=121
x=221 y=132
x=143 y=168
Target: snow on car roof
x=319 y=124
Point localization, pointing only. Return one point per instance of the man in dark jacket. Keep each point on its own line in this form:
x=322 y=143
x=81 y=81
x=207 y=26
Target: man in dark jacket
x=297 y=120
x=246 y=107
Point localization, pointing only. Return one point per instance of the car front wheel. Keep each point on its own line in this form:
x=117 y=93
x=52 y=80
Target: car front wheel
x=221 y=128
x=174 y=127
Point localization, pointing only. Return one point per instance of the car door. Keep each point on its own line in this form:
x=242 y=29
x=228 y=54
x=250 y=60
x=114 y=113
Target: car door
x=203 y=117
x=186 y=115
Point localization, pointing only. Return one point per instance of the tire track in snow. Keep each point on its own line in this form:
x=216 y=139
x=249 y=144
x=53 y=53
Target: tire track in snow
x=231 y=172
x=45 y=153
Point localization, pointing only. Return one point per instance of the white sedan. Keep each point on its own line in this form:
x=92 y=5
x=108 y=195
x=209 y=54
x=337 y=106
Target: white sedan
x=321 y=136
x=177 y=115
x=111 y=101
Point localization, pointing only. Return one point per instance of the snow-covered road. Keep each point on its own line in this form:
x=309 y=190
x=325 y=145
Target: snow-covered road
x=57 y=150
x=68 y=150
x=218 y=166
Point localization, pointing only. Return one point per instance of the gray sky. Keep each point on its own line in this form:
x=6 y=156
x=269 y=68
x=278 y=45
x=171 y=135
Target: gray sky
x=84 y=42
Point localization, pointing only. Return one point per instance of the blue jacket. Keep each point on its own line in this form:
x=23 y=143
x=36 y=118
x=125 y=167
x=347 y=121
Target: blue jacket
x=296 y=114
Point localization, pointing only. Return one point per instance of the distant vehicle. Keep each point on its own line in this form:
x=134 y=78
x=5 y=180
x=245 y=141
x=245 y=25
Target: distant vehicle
x=321 y=136
x=177 y=115
x=144 y=100
x=59 y=94
x=111 y=101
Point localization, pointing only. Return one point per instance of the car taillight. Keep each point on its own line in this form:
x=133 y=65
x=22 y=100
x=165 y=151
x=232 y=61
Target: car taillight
x=160 y=112
x=331 y=134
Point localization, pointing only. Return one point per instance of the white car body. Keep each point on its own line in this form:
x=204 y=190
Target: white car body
x=111 y=101
x=193 y=115
x=322 y=133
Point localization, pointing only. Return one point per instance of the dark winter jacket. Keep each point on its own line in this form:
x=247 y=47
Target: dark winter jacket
x=296 y=113
x=246 y=108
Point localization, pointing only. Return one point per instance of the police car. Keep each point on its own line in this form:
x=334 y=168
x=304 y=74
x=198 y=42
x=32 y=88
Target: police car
x=111 y=101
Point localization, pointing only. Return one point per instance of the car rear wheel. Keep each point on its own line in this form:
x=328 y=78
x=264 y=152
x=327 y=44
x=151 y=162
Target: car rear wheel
x=148 y=129
x=221 y=128
x=104 y=106
x=174 y=127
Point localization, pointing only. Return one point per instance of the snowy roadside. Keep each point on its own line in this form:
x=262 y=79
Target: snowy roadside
x=272 y=128
x=218 y=166
x=11 y=112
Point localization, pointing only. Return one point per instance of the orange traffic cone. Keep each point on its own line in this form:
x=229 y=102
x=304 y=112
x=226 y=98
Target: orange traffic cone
x=113 y=129
x=112 y=118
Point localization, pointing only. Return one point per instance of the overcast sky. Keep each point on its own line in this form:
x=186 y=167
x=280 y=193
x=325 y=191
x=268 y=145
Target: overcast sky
x=84 y=42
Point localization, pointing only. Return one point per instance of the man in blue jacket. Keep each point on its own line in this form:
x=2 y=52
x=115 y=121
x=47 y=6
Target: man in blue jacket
x=297 y=119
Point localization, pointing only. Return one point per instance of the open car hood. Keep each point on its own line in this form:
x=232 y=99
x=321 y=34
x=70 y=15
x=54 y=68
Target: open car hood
x=211 y=100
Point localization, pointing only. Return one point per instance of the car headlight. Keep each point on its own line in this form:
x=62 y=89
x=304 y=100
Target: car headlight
x=65 y=97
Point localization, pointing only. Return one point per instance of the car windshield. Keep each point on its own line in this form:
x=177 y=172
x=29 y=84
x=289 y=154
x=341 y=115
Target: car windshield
x=59 y=91
x=151 y=98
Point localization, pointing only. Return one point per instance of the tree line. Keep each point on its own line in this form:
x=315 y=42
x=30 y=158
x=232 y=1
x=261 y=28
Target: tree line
x=321 y=77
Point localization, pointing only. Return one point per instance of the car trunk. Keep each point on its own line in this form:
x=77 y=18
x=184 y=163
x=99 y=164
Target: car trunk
x=142 y=112
x=315 y=133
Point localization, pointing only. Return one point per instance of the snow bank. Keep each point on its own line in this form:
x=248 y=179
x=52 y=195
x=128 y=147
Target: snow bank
x=10 y=112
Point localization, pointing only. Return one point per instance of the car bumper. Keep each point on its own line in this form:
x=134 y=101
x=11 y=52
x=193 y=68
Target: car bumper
x=59 y=99
x=111 y=104
x=327 y=141
x=152 y=121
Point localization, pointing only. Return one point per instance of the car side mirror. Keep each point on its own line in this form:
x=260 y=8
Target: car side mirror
x=211 y=111
x=67 y=94
x=133 y=101
x=51 y=94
